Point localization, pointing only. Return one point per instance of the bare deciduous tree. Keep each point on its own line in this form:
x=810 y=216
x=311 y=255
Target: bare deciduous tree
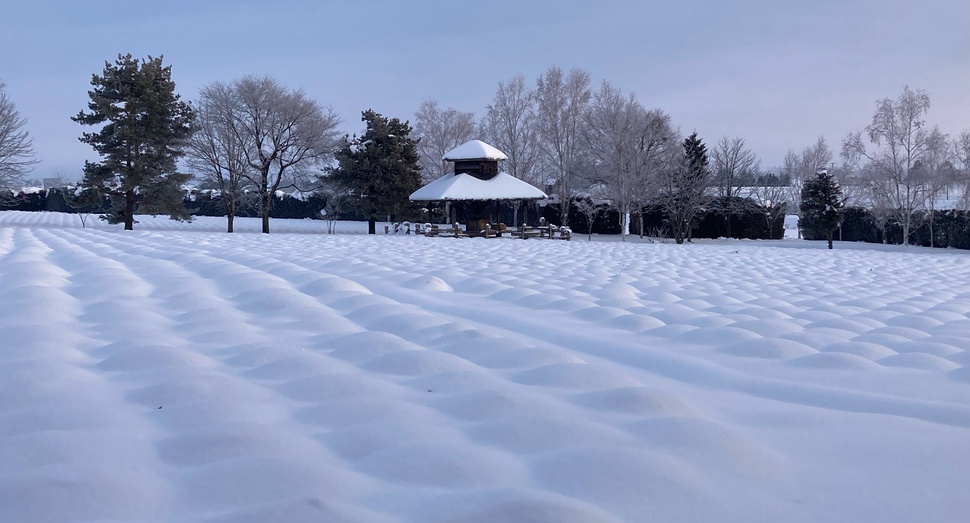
x=682 y=184
x=813 y=158
x=961 y=153
x=16 y=146
x=733 y=166
x=626 y=143
x=509 y=124
x=900 y=139
x=218 y=146
x=561 y=101
x=337 y=198
x=800 y=168
x=590 y=207
x=934 y=172
x=273 y=133
x=440 y=130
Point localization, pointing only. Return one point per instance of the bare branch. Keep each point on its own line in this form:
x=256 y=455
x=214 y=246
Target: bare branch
x=440 y=130
x=259 y=131
x=901 y=142
x=16 y=146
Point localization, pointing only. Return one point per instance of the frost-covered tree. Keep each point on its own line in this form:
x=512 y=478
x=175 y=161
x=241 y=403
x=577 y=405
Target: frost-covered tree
x=561 y=102
x=509 y=125
x=145 y=129
x=380 y=167
x=899 y=138
x=626 y=144
x=961 y=178
x=821 y=206
x=935 y=171
x=438 y=131
x=16 y=146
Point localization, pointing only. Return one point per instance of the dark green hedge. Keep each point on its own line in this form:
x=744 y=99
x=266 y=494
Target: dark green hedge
x=740 y=218
x=948 y=228
x=198 y=204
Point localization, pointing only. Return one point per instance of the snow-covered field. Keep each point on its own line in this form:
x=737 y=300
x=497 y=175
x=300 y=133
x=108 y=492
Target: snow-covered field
x=177 y=373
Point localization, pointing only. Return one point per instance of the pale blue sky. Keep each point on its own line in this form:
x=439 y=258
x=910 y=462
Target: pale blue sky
x=776 y=73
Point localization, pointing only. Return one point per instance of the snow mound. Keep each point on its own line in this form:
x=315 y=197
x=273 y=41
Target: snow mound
x=177 y=373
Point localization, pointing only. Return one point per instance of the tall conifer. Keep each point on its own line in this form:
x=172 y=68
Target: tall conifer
x=380 y=167
x=145 y=129
x=822 y=206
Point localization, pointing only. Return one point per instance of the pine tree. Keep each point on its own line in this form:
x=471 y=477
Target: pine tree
x=822 y=206
x=380 y=167
x=145 y=129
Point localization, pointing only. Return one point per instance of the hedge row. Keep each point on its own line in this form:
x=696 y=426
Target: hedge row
x=739 y=218
x=198 y=204
x=948 y=228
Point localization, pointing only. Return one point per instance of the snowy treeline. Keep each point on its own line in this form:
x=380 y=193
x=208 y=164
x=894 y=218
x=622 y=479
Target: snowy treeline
x=564 y=133
x=571 y=136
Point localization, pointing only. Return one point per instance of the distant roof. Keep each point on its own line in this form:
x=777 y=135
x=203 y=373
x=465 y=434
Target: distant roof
x=463 y=186
x=474 y=150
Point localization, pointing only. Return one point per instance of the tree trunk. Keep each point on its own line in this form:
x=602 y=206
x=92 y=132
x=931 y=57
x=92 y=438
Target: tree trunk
x=129 y=214
x=265 y=199
x=906 y=229
x=230 y=213
x=372 y=226
x=830 y=239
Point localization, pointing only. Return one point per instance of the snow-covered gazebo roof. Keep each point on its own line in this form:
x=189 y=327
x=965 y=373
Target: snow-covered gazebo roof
x=476 y=178
x=474 y=150
x=455 y=187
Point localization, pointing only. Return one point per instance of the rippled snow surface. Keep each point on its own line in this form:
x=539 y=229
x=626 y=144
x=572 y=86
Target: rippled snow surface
x=177 y=373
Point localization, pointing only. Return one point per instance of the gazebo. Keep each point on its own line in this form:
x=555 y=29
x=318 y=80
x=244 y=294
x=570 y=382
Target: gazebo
x=476 y=181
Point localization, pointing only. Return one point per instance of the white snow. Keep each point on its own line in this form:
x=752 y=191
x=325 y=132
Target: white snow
x=474 y=150
x=502 y=186
x=178 y=373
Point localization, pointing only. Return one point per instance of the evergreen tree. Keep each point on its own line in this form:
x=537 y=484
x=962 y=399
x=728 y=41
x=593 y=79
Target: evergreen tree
x=380 y=167
x=821 y=207
x=145 y=129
